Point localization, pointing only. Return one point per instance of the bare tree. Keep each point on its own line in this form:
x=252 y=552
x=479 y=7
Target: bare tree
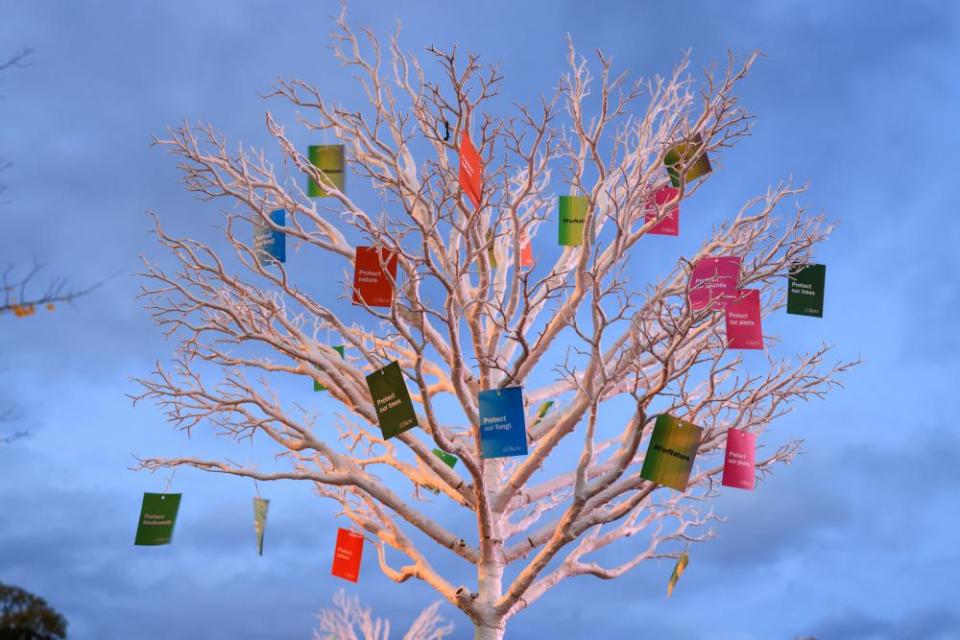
x=348 y=620
x=19 y=296
x=18 y=293
x=459 y=325
x=14 y=61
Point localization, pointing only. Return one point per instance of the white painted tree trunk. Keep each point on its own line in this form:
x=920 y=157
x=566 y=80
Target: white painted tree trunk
x=490 y=568
x=483 y=632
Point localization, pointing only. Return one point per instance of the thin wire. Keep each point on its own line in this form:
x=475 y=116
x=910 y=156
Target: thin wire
x=166 y=489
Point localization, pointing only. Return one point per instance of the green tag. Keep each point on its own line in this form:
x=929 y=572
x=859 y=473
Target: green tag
x=687 y=154
x=671 y=451
x=805 y=292
x=260 y=506
x=157 y=517
x=328 y=158
x=492 y=258
x=448 y=458
x=542 y=412
x=395 y=411
x=316 y=385
x=573 y=214
x=678 y=570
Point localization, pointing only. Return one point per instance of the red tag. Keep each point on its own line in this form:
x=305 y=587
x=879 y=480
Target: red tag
x=713 y=282
x=669 y=225
x=371 y=283
x=743 y=321
x=471 y=170
x=347 y=555
x=526 y=251
x=738 y=461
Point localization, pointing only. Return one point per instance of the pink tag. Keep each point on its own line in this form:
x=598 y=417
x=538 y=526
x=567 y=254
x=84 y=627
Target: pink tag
x=713 y=282
x=743 y=321
x=669 y=225
x=738 y=463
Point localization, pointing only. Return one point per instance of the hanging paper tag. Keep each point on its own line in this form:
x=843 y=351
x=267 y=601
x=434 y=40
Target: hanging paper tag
x=491 y=255
x=713 y=282
x=158 y=514
x=260 y=506
x=669 y=225
x=670 y=454
x=395 y=411
x=526 y=251
x=805 y=292
x=573 y=215
x=316 y=385
x=347 y=555
x=743 y=321
x=678 y=570
x=687 y=155
x=738 y=461
x=328 y=159
x=448 y=458
x=374 y=273
x=471 y=169
x=503 y=430
x=269 y=245
x=542 y=412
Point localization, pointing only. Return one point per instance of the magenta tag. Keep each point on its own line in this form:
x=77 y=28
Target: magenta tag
x=713 y=282
x=743 y=321
x=669 y=225
x=738 y=462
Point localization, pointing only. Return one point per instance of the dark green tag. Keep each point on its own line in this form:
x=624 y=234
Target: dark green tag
x=395 y=411
x=805 y=290
x=157 y=517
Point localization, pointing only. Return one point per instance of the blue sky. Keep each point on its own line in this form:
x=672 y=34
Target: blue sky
x=854 y=541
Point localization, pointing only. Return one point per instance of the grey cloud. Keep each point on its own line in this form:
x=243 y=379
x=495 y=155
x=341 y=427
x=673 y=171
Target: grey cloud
x=847 y=98
x=923 y=624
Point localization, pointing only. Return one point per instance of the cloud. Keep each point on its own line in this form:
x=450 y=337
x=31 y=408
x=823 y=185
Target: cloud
x=820 y=499
x=921 y=624
x=855 y=101
x=791 y=513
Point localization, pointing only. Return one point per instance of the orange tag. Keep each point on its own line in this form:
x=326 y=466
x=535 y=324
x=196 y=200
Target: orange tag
x=471 y=170
x=526 y=251
x=374 y=273
x=347 y=555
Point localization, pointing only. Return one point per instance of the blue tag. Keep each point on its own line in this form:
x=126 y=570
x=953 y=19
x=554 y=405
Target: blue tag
x=503 y=431
x=271 y=245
